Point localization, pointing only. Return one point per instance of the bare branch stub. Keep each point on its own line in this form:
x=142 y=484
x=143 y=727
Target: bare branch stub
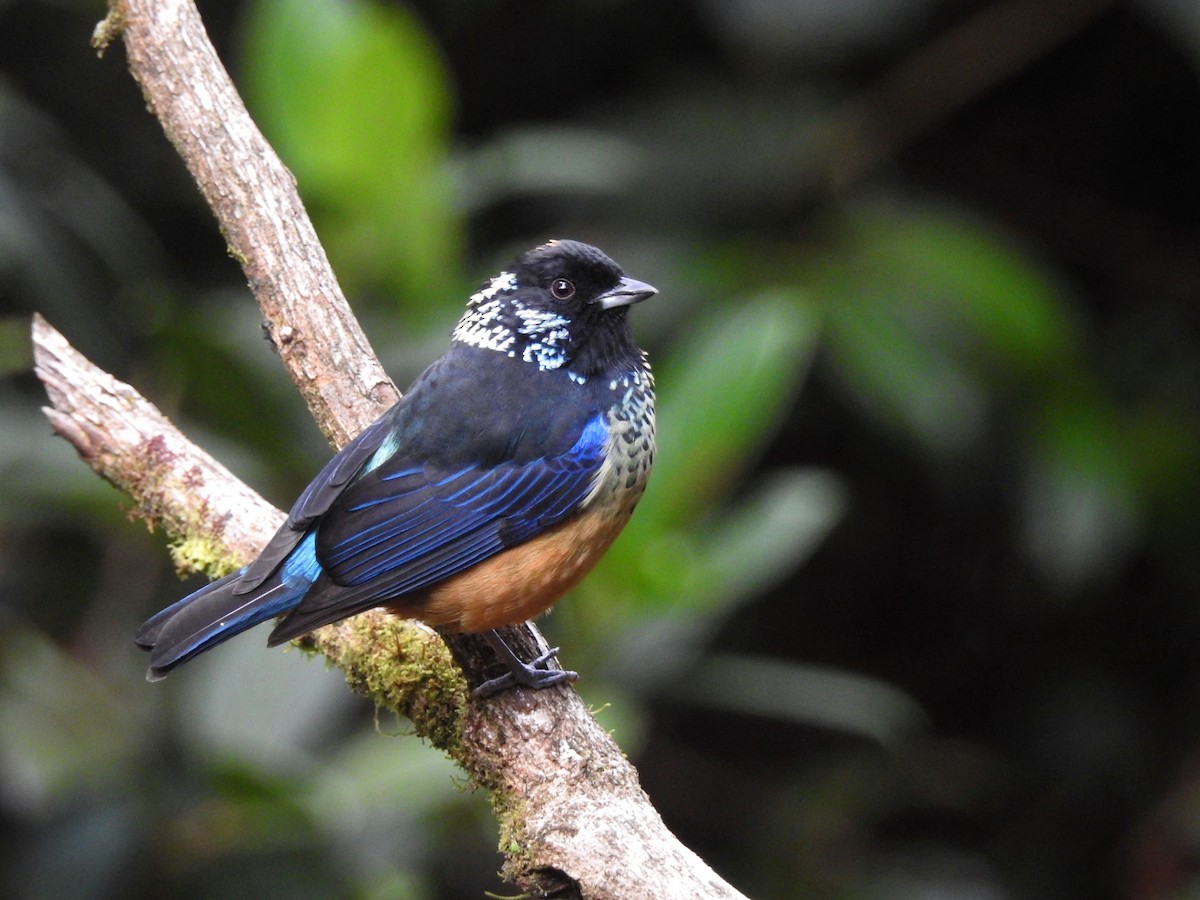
x=121 y=435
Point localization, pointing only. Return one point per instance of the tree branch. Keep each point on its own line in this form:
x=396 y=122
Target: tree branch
x=574 y=821
x=260 y=213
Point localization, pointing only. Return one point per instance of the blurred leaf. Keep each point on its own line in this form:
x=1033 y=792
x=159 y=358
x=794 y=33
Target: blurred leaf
x=376 y=798
x=897 y=375
x=357 y=100
x=737 y=551
x=687 y=581
x=545 y=160
x=927 y=311
x=60 y=726
x=989 y=288
x=812 y=695
x=721 y=393
x=1080 y=494
x=763 y=538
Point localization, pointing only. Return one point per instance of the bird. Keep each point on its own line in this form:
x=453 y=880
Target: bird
x=483 y=495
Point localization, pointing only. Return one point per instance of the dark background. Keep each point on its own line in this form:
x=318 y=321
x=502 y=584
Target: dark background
x=911 y=609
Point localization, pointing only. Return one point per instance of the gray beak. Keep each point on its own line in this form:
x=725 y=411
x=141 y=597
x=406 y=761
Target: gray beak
x=626 y=293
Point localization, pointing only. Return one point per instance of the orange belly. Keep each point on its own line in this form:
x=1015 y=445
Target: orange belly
x=520 y=583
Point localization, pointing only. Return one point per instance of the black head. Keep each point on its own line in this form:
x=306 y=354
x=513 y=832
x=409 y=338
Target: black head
x=560 y=305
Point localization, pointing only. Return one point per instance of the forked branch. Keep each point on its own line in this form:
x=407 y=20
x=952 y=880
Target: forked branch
x=574 y=820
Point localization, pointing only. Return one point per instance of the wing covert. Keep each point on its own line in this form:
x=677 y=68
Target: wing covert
x=316 y=499
x=402 y=527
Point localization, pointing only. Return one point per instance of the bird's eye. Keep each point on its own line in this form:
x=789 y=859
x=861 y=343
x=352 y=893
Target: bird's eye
x=562 y=289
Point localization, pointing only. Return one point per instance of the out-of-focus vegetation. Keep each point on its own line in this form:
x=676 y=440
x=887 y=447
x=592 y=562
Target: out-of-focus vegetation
x=912 y=606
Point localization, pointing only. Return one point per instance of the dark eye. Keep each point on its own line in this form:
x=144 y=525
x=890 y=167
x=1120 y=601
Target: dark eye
x=562 y=289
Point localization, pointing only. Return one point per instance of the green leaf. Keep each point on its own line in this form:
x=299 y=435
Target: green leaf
x=990 y=289
x=928 y=313
x=814 y=695
x=721 y=394
x=753 y=546
x=357 y=100
x=549 y=160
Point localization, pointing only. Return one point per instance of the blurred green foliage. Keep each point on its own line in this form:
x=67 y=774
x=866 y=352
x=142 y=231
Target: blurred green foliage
x=355 y=97
x=911 y=596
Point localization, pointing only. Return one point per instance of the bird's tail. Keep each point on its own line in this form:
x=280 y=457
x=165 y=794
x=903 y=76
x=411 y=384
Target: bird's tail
x=210 y=616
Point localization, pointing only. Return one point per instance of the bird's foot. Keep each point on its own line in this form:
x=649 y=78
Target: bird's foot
x=536 y=674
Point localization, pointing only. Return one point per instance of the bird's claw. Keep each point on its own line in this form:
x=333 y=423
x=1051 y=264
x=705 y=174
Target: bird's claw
x=535 y=675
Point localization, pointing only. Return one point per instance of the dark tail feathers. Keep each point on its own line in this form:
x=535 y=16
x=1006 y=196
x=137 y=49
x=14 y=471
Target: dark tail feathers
x=210 y=616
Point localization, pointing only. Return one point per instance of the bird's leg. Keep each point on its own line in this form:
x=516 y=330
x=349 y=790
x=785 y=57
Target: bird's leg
x=535 y=674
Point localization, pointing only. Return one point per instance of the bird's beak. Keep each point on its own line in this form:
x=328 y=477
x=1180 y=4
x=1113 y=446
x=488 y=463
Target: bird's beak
x=626 y=293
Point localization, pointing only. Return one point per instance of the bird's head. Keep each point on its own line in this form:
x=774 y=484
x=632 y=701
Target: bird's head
x=560 y=305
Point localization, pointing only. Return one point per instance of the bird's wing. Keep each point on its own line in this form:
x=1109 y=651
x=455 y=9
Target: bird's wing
x=316 y=499
x=275 y=581
x=404 y=526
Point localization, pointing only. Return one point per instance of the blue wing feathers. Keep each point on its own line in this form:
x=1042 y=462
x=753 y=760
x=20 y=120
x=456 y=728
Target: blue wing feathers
x=388 y=532
x=301 y=568
x=330 y=602
x=315 y=500
x=404 y=473
x=375 y=525
x=373 y=528
x=366 y=567
x=456 y=497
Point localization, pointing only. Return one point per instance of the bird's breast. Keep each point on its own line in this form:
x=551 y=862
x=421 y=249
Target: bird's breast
x=520 y=583
x=629 y=449
x=524 y=581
